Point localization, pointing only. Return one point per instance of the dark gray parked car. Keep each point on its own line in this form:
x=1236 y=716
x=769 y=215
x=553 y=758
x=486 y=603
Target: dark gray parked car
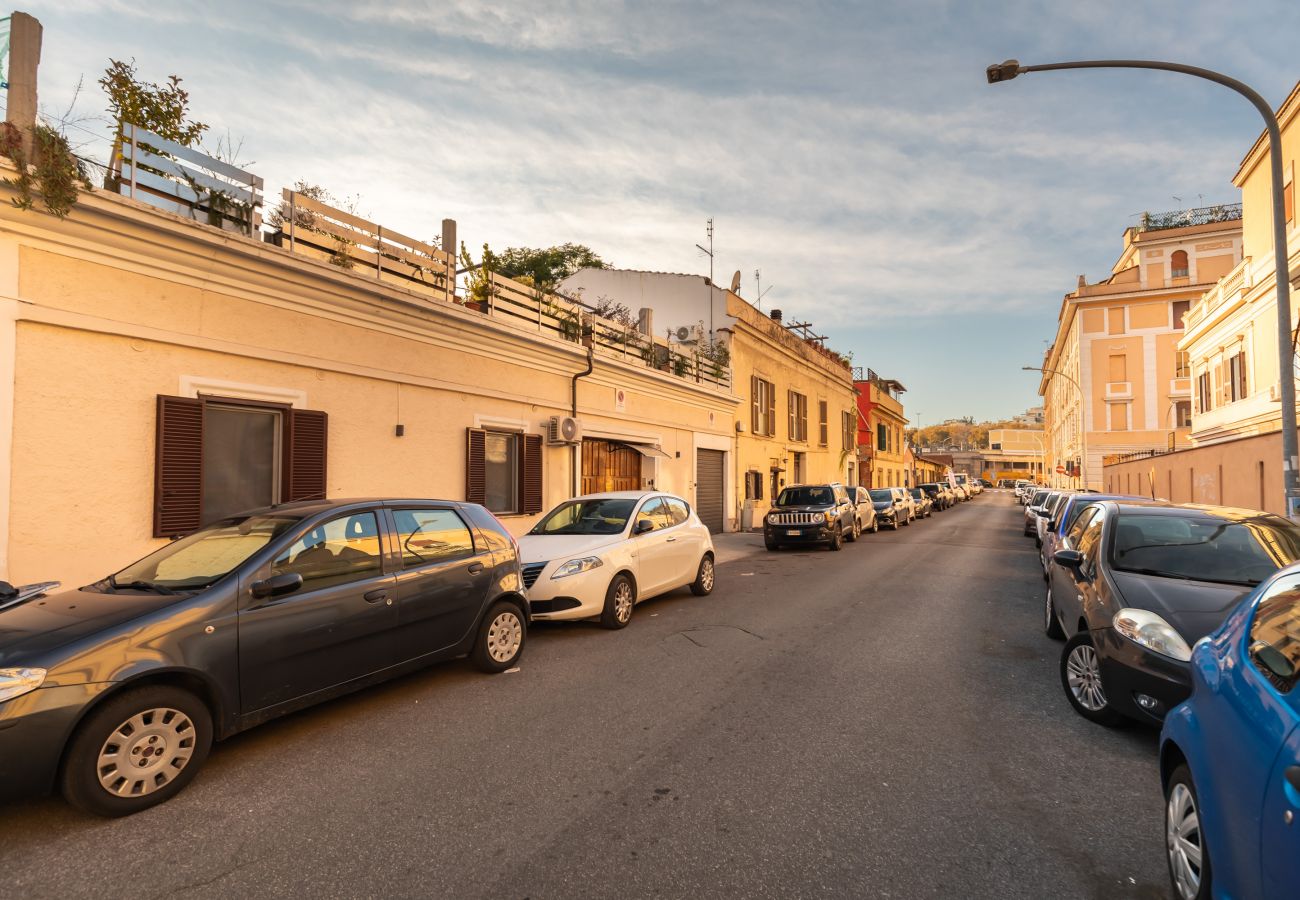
x=811 y=514
x=115 y=691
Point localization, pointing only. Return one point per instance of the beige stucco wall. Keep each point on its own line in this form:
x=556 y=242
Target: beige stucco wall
x=1244 y=473
x=764 y=348
x=119 y=303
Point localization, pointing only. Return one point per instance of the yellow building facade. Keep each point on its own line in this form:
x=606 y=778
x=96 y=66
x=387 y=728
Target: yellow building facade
x=1114 y=381
x=1015 y=453
x=1231 y=337
x=135 y=343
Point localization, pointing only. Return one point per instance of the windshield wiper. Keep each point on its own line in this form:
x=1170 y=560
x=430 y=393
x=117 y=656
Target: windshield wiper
x=139 y=586
x=1159 y=574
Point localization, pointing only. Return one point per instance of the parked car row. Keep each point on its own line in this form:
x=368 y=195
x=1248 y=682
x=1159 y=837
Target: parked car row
x=832 y=515
x=115 y=692
x=1188 y=617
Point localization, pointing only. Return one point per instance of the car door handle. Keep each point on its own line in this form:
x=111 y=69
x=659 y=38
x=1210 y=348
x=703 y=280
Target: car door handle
x=378 y=596
x=475 y=568
x=1293 y=777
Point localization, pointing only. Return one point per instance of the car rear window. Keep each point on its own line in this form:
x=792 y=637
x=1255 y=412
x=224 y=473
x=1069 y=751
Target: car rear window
x=881 y=494
x=1204 y=548
x=1038 y=498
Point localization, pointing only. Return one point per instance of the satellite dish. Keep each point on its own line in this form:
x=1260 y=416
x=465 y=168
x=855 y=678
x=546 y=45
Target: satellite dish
x=735 y=282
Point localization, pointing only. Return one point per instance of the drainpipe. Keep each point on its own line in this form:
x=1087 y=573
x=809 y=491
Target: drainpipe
x=573 y=411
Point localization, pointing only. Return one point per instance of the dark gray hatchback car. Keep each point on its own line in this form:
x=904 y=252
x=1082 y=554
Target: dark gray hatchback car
x=115 y=691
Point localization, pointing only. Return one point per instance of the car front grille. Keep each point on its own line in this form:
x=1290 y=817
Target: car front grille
x=531 y=571
x=797 y=518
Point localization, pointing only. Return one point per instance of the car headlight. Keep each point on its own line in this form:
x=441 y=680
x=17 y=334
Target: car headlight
x=1145 y=628
x=578 y=566
x=16 y=682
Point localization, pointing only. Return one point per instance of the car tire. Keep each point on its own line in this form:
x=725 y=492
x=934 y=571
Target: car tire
x=854 y=532
x=620 y=599
x=1081 y=681
x=501 y=638
x=1189 y=879
x=907 y=520
x=1051 y=627
x=837 y=540
x=771 y=544
x=875 y=525
x=158 y=716
x=894 y=524
x=702 y=586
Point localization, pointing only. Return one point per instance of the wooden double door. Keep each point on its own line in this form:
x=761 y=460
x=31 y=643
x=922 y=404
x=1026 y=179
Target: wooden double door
x=608 y=466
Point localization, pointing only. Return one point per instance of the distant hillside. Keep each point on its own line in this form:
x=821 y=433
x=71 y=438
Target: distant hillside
x=963 y=435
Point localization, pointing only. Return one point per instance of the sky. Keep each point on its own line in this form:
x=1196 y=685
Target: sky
x=922 y=219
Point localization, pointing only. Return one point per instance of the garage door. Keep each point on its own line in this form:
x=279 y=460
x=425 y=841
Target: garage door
x=708 y=488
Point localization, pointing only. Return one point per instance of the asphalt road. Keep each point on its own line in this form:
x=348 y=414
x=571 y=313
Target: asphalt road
x=882 y=722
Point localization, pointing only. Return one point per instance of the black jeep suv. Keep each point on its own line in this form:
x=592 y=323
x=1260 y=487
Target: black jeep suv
x=811 y=514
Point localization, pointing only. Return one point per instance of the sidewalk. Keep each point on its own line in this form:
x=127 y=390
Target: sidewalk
x=736 y=545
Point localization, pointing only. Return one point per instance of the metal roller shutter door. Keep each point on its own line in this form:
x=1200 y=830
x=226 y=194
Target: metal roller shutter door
x=708 y=488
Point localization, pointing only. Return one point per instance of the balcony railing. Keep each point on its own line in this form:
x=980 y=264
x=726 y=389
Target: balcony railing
x=184 y=181
x=1184 y=218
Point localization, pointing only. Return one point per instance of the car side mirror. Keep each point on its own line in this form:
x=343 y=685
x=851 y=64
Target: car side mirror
x=1051 y=524
x=277 y=585
x=642 y=526
x=1071 y=559
x=1272 y=659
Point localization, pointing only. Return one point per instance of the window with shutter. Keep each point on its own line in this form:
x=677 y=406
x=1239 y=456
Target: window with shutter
x=754 y=401
x=218 y=455
x=771 y=409
x=823 y=426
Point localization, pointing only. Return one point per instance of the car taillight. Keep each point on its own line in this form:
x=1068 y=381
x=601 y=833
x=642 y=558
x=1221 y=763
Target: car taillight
x=506 y=531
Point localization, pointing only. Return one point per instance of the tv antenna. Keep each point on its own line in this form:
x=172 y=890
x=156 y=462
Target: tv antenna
x=709 y=254
x=758 y=290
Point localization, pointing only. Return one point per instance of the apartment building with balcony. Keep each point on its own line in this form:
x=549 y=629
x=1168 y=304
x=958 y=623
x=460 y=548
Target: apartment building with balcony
x=881 y=436
x=1114 y=381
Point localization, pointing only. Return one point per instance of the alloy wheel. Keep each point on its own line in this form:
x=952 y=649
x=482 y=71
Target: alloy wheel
x=1183 y=839
x=504 y=636
x=1083 y=673
x=706 y=574
x=623 y=602
x=146 y=752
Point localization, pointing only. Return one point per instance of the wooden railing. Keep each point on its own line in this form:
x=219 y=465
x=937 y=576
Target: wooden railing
x=568 y=319
x=184 y=181
x=351 y=242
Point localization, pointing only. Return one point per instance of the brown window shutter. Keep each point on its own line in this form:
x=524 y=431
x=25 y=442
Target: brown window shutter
x=753 y=404
x=306 y=433
x=530 y=478
x=771 y=410
x=178 y=467
x=475 y=466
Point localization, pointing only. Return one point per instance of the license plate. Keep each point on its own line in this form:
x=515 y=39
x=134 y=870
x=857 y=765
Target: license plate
x=794 y=532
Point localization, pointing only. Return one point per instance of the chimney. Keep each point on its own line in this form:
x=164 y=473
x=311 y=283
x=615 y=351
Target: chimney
x=24 y=57
x=776 y=315
x=645 y=321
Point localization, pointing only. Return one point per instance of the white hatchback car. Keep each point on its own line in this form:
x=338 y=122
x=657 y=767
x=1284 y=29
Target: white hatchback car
x=597 y=556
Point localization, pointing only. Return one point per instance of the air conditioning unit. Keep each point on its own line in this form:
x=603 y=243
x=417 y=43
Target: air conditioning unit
x=689 y=334
x=1274 y=392
x=564 y=430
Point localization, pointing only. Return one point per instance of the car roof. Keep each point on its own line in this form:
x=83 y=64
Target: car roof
x=1165 y=508
x=622 y=495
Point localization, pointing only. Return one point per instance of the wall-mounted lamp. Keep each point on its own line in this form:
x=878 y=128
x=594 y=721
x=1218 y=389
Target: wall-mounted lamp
x=400 y=431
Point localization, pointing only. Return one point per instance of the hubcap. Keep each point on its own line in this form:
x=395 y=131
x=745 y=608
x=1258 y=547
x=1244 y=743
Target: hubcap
x=1183 y=839
x=706 y=574
x=146 y=752
x=1084 y=677
x=1047 y=610
x=504 y=637
x=623 y=601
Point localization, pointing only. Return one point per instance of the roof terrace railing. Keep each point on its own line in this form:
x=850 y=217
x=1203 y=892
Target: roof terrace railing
x=1183 y=218
x=187 y=182
x=317 y=229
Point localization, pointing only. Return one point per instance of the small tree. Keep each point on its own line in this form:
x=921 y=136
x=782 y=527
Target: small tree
x=550 y=265
x=163 y=109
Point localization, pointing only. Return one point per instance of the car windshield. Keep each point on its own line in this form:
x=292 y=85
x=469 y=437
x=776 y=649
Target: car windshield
x=918 y=493
x=596 y=516
x=206 y=556
x=881 y=494
x=1037 y=498
x=806 y=496
x=1199 y=547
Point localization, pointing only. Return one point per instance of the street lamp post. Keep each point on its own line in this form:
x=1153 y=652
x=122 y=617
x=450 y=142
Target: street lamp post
x=1008 y=70
x=1083 y=456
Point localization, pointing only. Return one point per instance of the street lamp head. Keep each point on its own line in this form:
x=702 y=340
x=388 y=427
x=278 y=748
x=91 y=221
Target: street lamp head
x=1030 y=369
x=1004 y=71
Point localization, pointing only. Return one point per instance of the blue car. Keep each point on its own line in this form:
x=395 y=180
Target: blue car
x=1230 y=754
